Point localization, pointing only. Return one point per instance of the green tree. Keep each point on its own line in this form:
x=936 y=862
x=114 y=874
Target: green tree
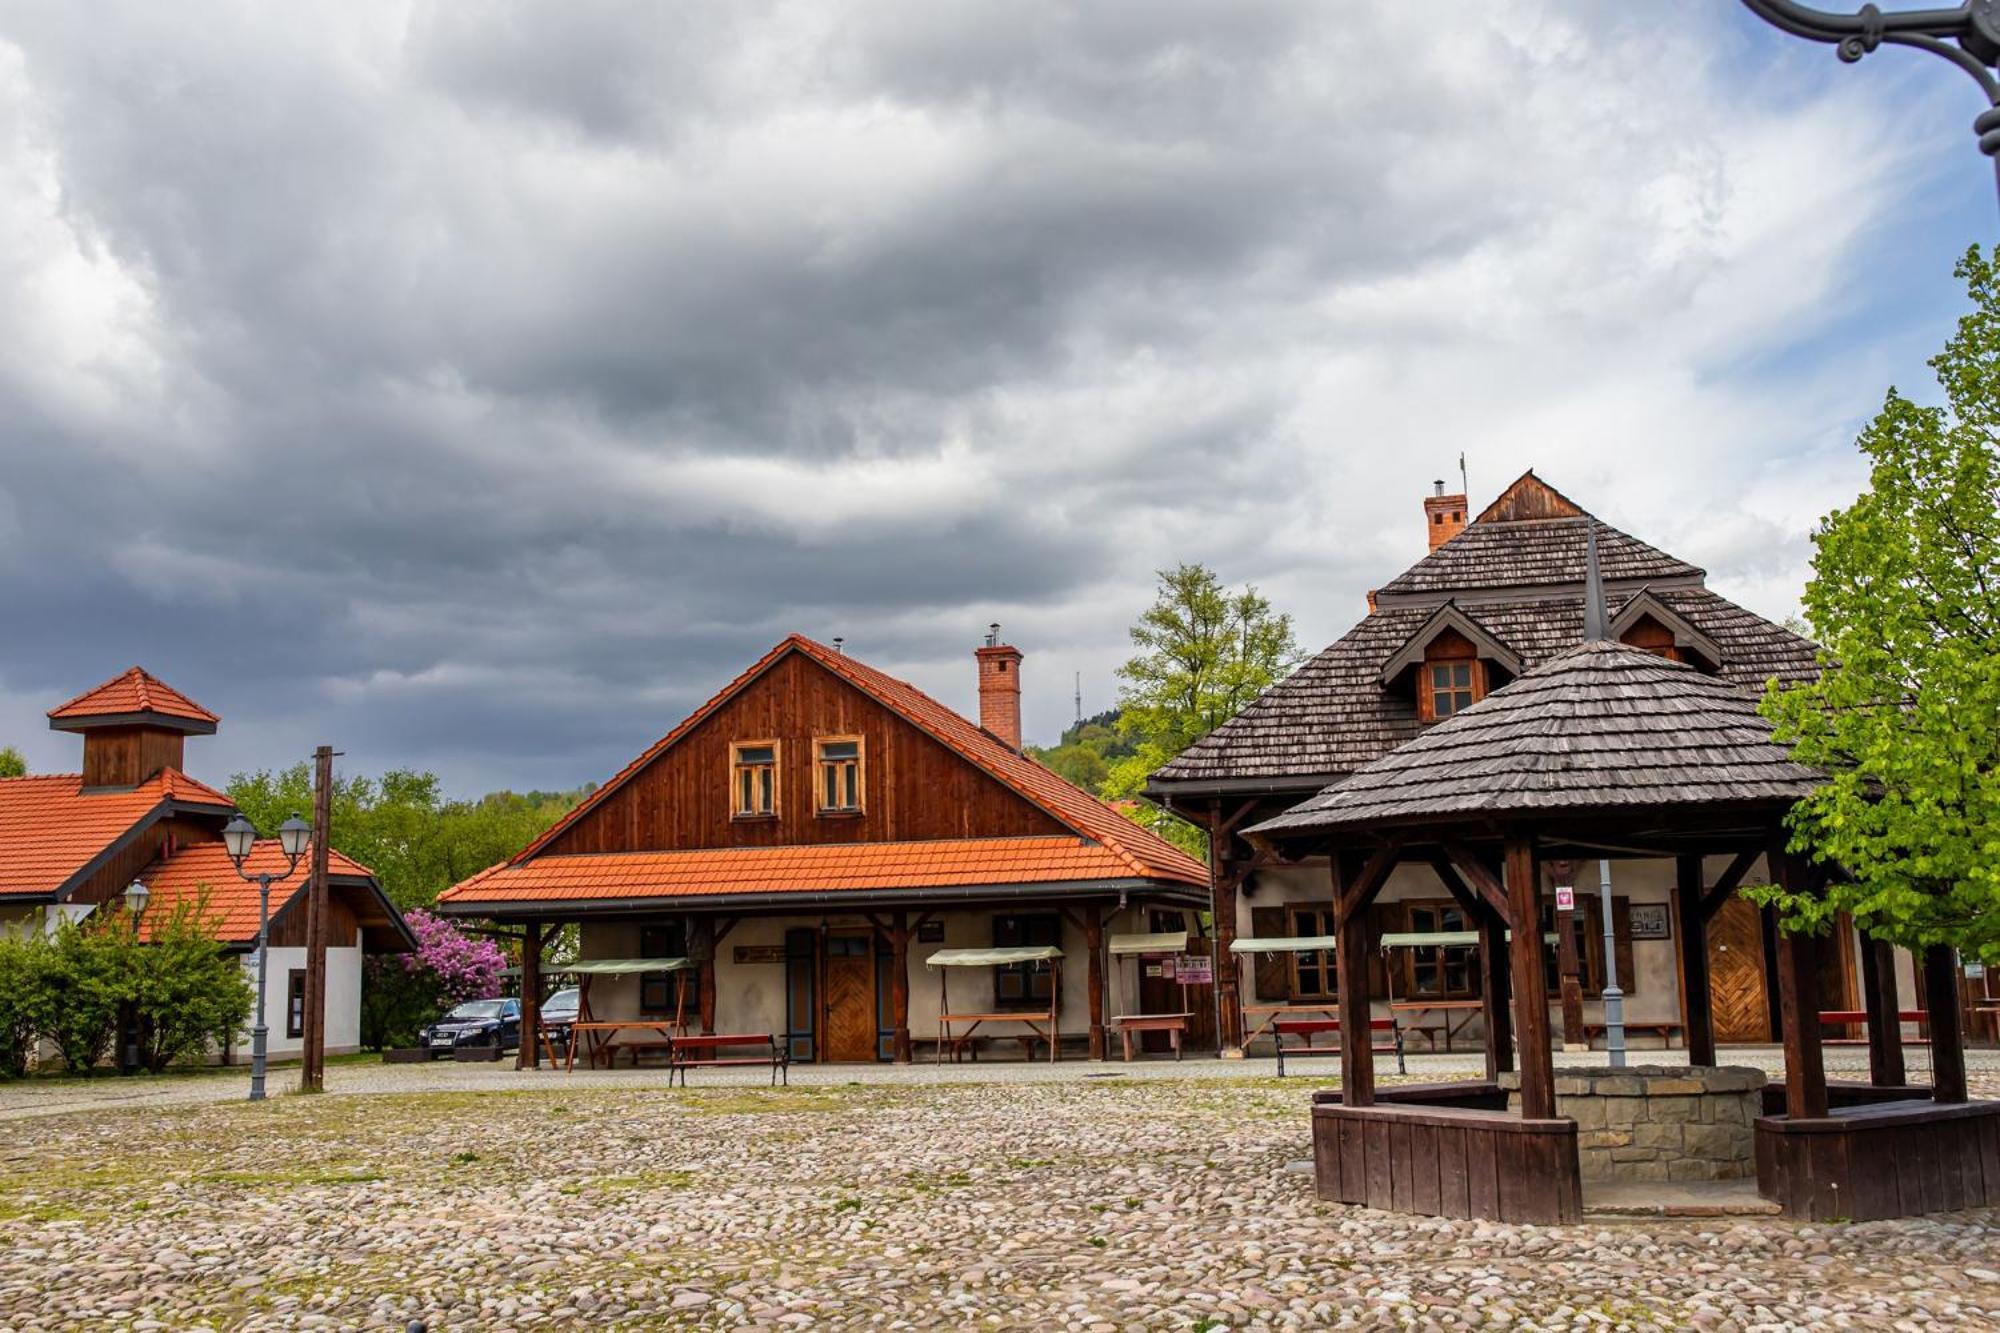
x=188 y=992
x=1080 y=764
x=82 y=979
x=1203 y=653
x=402 y=827
x=21 y=963
x=12 y=765
x=1905 y=716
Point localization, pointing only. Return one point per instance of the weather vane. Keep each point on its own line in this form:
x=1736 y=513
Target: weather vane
x=1967 y=35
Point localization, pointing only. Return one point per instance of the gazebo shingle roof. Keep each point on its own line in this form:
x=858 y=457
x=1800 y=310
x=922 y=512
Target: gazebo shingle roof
x=1605 y=726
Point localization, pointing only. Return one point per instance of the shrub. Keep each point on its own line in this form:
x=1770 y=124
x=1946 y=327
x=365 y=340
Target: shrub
x=189 y=994
x=20 y=963
x=85 y=974
x=400 y=994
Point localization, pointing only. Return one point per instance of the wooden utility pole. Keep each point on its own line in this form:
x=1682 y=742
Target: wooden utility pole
x=312 y=1065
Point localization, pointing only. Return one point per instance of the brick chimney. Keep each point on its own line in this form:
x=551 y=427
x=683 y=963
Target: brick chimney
x=1444 y=515
x=1000 y=689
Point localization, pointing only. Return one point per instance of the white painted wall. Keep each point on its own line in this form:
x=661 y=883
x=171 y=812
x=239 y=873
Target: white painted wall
x=343 y=1001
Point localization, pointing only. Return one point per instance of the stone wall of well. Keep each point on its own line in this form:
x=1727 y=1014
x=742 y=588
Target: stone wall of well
x=1655 y=1122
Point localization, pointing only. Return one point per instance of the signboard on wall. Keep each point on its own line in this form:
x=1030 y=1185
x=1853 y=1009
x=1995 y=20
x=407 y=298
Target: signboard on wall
x=1194 y=969
x=1565 y=898
x=760 y=953
x=930 y=932
x=1651 y=921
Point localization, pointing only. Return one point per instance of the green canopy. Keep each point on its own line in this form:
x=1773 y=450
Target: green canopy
x=1432 y=939
x=1166 y=941
x=616 y=967
x=1025 y=953
x=1283 y=944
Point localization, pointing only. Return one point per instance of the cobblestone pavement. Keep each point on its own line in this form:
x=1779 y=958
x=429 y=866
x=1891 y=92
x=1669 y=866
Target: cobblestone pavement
x=1097 y=1204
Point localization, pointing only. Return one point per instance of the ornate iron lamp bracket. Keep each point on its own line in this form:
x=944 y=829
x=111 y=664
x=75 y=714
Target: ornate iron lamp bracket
x=1968 y=36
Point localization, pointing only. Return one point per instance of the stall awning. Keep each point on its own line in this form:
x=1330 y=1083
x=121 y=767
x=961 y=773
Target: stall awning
x=1433 y=939
x=601 y=967
x=1165 y=941
x=1026 y=953
x=1283 y=944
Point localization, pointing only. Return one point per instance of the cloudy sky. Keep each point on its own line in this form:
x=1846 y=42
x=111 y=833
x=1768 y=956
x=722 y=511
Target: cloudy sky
x=479 y=387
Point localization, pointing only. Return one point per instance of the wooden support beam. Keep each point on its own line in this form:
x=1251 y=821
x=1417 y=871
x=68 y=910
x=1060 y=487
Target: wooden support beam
x=899 y=987
x=1476 y=874
x=1531 y=995
x=1885 y=1027
x=1569 y=969
x=1725 y=887
x=1697 y=989
x=1224 y=879
x=1369 y=879
x=1495 y=994
x=1354 y=943
x=1947 y=1023
x=1798 y=999
x=528 y=1055
x=1093 y=940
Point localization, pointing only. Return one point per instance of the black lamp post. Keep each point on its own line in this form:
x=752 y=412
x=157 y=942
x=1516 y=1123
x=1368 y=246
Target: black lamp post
x=136 y=897
x=238 y=836
x=1968 y=35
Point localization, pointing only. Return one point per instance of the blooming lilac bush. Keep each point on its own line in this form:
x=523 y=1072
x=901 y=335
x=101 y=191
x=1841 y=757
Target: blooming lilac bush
x=405 y=991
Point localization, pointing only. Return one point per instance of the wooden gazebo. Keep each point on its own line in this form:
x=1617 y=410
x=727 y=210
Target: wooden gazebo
x=1607 y=751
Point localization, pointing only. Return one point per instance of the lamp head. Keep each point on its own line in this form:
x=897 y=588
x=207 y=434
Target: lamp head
x=294 y=835
x=136 y=897
x=237 y=836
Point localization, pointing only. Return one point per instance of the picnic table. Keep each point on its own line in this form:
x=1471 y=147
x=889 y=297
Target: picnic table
x=960 y=1042
x=705 y=1050
x=1446 y=1007
x=1308 y=1027
x=1274 y=1012
x=1174 y=1025
x=1041 y=1023
x=594 y=1035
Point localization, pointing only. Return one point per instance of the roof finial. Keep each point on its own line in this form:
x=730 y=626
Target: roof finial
x=1595 y=617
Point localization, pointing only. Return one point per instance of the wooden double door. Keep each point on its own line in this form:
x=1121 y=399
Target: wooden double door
x=1741 y=971
x=849 y=997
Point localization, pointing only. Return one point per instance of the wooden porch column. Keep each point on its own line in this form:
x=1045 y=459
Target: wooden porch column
x=1093 y=940
x=1570 y=968
x=1354 y=943
x=529 y=1056
x=1942 y=999
x=1495 y=994
x=1885 y=1029
x=1531 y=992
x=1697 y=994
x=1225 y=878
x=1798 y=995
x=899 y=987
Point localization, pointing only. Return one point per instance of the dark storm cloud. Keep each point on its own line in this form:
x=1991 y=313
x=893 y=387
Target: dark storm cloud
x=481 y=387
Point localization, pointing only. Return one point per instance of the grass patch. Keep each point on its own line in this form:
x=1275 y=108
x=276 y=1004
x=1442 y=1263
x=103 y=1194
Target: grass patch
x=307 y=1175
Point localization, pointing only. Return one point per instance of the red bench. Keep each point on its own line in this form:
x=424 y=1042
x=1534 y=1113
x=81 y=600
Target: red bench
x=1859 y=1017
x=706 y=1051
x=1307 y=1028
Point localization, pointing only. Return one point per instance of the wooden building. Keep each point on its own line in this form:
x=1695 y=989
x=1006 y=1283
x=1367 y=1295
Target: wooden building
x=808 y=839
x=70 y=843
x=1492 y=599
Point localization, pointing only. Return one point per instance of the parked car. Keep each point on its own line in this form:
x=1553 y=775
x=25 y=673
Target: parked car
x=476 y=1023
x=558 y=1012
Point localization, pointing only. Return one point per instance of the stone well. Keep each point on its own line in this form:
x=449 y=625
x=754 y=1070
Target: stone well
x=1659 y=1122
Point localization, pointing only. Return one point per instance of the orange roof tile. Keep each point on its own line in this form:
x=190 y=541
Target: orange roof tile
x=823 y=868
x=1139 y=850
x=232 y=900
x=135 y=690
x=50 y=828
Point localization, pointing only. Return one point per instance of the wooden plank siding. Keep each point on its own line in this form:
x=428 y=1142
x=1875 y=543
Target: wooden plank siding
x=1447 y=1161
x=1895 y=1159
x=110 y=879
x=914 y=788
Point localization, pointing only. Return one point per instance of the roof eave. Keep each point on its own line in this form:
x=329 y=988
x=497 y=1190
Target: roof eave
x=815 y=901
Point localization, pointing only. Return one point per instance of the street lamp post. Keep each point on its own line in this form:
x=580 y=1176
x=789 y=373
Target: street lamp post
x=238 y=836
x=136 y=897
x=1968 y=35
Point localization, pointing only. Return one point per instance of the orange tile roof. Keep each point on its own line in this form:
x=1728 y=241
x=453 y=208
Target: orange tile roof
x=821 y=868
x=232 y=900
x=1138 y=850
x=50 y=828
x=135 y=690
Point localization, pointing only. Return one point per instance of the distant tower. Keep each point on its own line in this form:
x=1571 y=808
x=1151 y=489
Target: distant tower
x=1079 y=698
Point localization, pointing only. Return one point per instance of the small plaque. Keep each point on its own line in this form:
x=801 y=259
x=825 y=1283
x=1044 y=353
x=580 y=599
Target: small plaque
x=930 y=932
x=760 y=953
x=1565 y=898
x=1651 y=921
x=1194 y=969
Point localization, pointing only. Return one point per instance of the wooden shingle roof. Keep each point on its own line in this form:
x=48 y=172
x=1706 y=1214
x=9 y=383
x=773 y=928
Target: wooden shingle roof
x=1603 y=727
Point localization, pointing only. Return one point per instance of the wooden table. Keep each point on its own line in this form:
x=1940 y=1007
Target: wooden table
x=1174 y=1025
x=773 y=1051
x=1032 y=1020
x=592 y=1034
x=1446 y=1007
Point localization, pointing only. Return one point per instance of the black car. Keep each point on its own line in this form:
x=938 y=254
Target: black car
x=475 y=1023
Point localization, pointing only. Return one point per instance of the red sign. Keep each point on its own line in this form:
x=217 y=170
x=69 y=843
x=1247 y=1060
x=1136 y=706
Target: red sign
x=1565 y=898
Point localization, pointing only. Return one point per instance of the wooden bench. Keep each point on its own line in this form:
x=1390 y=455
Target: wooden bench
x=1859 y=1018
x=705 y=1050
x=1309 y=1027
x=1174 y=1025
x=958 y=1043
x=1666 y=1032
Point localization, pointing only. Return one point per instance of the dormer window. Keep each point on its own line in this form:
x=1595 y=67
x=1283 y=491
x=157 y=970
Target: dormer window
x=753 y=779
x=839 y=759
x=1452 y=687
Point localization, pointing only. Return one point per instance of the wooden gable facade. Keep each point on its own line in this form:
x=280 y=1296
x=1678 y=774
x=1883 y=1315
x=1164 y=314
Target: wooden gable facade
x=913 y=788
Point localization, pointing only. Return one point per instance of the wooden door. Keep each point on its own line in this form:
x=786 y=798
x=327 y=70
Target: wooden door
x=849 y=998
x=1736 y=973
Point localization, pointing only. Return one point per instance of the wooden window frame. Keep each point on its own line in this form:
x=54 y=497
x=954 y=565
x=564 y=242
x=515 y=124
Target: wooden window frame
x=658 y=991
x=820 y=766
x=1427 y=693
x=1322 y=914
x=737 y=769
x=1029 y=973
x=295 y=1002
x=1406 y=965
